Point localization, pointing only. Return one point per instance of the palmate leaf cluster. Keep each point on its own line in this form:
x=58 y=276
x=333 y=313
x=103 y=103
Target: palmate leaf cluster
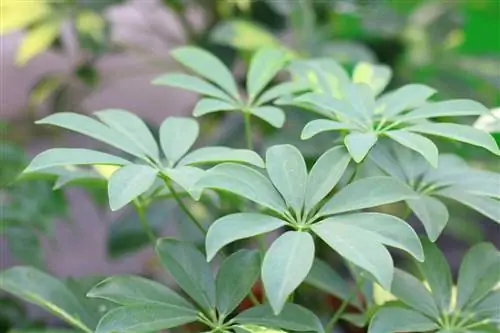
x=381 y=156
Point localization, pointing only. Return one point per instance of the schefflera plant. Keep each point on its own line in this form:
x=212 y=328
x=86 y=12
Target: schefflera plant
x=298 y=200
x=436 y=304
x=353 y=107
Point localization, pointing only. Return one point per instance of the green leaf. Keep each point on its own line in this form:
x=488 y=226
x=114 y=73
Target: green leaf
x=132 y=127
x=72 y=156
x=177 y=136
x=418 y=143
x=211 y=105
x=437 y=273
x=41 y=289
x=288 y=172
x=246 y=182
x=323 y=277
x=411 y=291
x=367 y=192
x=376 y=76
x=193 y=83
x=292 y=317
x=205 y=64
x=432 y=213
x=44 y=88
x=453 y=108
x=461 y=133
x=144 y=318
x=132 y=290
x=94 y=129
x=129 y=182
x=211 y=155
x=488 y=309
x=395 y=319
x=230 y=228
x=187 y=177
x=265 y=64
x=189 y=269
x=285 y=265
x=405 y=98
x=235 y=279
x=486 y=206
x=243 y=35
x=359 y=144
x=326 y=105
x=317 y=126
x=325 y=174
x=38 y=39
x=476 y=263
x=270 y=114
x=281 y=90
x=358 y=246
x=387 y=229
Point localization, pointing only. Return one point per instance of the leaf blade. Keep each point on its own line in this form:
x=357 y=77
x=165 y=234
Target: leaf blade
x=216 y=154
x=177 y=136
x=359 y=144
x=418 y=143
x=272 y=115
x=265 y=64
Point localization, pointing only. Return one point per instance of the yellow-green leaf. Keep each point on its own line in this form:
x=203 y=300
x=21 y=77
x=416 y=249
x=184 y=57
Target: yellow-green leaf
x=37 y=40
x=90 y=23
x=17 y=15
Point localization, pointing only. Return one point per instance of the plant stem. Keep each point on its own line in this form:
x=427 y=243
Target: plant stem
x=248 y=129
x=144 y=221
x=253 y=298
x=183 y=206
x=336 y=316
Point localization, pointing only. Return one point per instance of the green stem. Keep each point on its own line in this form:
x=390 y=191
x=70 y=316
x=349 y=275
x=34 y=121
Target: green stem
x=248 y=129
x=144 y=221
x=183 y=207
x=336 y=316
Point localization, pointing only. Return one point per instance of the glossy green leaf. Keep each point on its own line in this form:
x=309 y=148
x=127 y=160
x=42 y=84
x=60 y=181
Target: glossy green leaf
x=193 y=83
x=285 y=266
x=129 y=182
x=325 y=174
x=177 y=136
x=94 y=129
x=359 y=144
x=243 y=181
x=375 y=76
x=230 y=228
x=318 y=126
x=431 y=212
x=270 y=114
x=405 y=98
x=288 y=172
x=189 y=269
x=411 y=291
x=452 y=108
x=187 y=177
x=367 y=192
x=461 y=133
x=395 y=319
x=486 y=206
x=72 y=156
x=132 y=290
x=235 y=279
x=144 y=318
x=358 y=246
x=41 y=289
x=132 y=127
x=264 y=66
x=211 y=105
x=437 y=273
x=293 y=317
x=207 y=65
x=212 y=155
x=418 y=143
x=281 y=90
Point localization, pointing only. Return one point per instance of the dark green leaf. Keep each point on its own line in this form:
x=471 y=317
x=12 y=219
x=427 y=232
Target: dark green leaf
x=394 y=319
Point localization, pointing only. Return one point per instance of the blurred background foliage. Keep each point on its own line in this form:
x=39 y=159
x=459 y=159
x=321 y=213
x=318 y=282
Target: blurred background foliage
x=453 y=46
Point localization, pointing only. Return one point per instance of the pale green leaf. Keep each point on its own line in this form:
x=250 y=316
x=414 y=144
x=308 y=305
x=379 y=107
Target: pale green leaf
x=132 y=127
x=230 y=228
x=243 y=35
x=235 y=279
x=325 y=174
x=193 y=83
x=38 y=39
x=211 y=105
x=317 y=126
x=461 y=133
x=129 y=182
x=285 y=265
x=418 y=143
x=432 y=213
x=375 y=76
x=489 y=122
x=214 y=154
x=72 y=156
x=368 y=192
x=395 y=319
x=452 y=108
x=288 y=172
x=280 y=90
x=327 y=105
x=270 y=114
x=484 y=205
x=189 y=269
x=264 y=66
x=187 y=177
x=144 y=318
x=207 y=65
x=361 y=99
x=359 y=144
x=359 y=247
x=246 y=182
x=177 y=136
x=405 y=98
